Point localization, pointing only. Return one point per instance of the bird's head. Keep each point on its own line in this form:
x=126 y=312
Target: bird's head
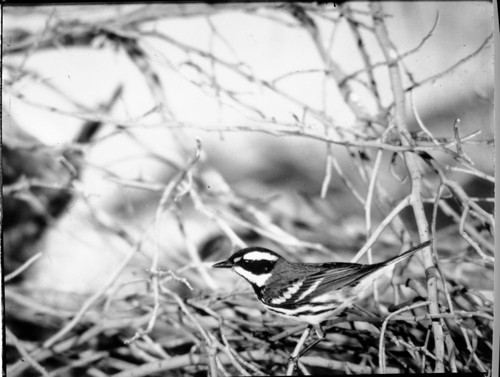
x=255 y=264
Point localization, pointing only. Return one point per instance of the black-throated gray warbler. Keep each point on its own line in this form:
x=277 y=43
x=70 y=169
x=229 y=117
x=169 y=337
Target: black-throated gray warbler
x=307 y=292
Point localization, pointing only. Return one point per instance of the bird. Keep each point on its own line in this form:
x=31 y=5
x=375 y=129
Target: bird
x=307 y=292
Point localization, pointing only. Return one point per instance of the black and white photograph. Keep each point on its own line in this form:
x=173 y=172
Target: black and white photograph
x=248 y=189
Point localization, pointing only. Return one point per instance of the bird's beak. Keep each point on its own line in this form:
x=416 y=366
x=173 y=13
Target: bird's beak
x=223 y=264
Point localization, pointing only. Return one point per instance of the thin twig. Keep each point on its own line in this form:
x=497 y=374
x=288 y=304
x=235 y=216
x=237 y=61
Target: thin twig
x=23 y=267
x=24 y=353
x=449 y=70
x=381 y=347
x=91 y=300
x=300 y=344
x=378 y=231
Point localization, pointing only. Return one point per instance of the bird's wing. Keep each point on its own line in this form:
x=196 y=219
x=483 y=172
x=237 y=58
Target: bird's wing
x=322 y=282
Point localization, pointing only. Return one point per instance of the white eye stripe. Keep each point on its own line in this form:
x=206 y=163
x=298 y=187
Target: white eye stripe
x=258 y=280
x=259 y=255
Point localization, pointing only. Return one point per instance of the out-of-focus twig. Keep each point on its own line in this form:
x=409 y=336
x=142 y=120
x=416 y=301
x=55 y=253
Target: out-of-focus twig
x=23 y=267
x=91 y=300
x=24 y=353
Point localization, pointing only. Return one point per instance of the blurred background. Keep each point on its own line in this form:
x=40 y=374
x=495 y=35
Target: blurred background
x=185 y=131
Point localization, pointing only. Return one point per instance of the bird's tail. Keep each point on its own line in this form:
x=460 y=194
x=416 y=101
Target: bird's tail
x=406 y=254
x=375 y=270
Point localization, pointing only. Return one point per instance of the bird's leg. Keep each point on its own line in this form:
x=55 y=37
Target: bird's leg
x=293 y=359
x=298 y=353
x=321 y=336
